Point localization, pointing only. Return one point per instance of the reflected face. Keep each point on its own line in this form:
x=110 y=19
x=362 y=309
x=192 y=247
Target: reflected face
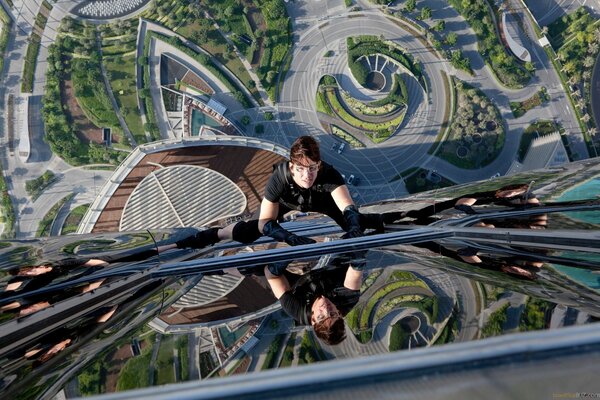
x=323 y=308
x=305 y=173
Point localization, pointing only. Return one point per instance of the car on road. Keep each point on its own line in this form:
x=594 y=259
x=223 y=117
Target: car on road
x=334 y=146
x=496 y=175
x=341 y=148
x=351 y=180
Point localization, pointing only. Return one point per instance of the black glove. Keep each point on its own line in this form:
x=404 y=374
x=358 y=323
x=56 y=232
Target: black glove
x=274 y=230
x=278 y=268
x=352 y=218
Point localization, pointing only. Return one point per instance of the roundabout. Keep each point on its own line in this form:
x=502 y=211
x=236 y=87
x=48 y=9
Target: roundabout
x=424 y=112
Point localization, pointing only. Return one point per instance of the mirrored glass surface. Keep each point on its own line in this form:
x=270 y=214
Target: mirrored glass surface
x=100 y=313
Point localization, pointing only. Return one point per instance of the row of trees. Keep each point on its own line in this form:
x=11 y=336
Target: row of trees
x=6 y=23
x=578 y=53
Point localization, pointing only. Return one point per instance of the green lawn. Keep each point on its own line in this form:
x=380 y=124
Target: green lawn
x=165 y=372
x=74 y=218
x=121 y=69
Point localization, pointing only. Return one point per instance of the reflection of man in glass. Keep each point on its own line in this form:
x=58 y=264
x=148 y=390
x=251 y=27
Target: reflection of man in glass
x=322 y=297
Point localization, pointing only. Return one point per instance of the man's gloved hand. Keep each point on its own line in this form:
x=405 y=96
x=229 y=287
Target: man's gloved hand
x=274 y=230
x=295 y=240
x=352 y=234
x=352 y=218
x=277 y=268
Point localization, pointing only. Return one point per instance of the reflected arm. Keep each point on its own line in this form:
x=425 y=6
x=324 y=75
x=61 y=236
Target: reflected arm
x=279 y=284
x=353 y=279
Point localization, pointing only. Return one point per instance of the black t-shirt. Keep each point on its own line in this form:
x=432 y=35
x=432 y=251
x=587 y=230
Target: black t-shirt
x=282 y=189
x=297 y=302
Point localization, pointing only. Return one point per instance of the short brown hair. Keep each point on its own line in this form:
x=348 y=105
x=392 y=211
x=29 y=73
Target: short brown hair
x=305 y=147
x=331 y=330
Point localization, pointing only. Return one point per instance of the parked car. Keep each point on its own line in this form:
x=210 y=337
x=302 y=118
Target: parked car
x=351 y=179
x=341 y=148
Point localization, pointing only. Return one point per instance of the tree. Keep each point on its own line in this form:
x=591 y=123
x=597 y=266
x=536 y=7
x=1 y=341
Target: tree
x=588 y=62
x=410 y=5
x=440 y=26
x=269 y=116
x=544 y=30
x=145 y=93
x=200 y=36
x=569 y=67
x=229 y=11
x=451 y=39
x=529 y=66
x=586 y=118
x=425 y=13
x=572 y=80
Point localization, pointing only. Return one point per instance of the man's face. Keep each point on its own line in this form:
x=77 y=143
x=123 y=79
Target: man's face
x=323 y=308
x=305 y=173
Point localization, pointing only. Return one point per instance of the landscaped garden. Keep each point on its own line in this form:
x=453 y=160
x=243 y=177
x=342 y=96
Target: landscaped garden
x=35 y=187
x=533 y=317
x=119 y=59
x=73 y=219
x=33 y=47
x=6 y=24
x=75 y=101
x=419 y=180
x=504 y=64
x=402 y=289
x=476 y=133
x=520 y=108
x=7 y=214
x=188 y=20
x=363 y=46
x=495 y=323
x=377 y=120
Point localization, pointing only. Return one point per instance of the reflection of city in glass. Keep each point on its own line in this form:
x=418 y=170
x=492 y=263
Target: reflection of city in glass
x=125 y=322
x=465 y=132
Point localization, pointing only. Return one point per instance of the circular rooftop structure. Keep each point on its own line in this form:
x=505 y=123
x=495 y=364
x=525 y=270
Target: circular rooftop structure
x=181 y=196
x=108 y=9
